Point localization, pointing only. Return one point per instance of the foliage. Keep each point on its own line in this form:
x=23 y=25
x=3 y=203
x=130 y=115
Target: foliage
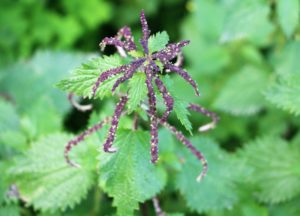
x=120 y=173
x=33 y=23
x=244 y=55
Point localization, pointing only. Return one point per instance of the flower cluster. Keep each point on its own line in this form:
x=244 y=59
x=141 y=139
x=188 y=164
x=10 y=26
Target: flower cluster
x=152 y=65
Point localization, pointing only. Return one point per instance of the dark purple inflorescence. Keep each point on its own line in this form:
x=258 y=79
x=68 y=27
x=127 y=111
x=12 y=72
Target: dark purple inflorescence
x=148 y=63
x=114 y=125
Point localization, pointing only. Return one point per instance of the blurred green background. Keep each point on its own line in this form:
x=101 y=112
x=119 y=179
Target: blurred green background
x=245 y=56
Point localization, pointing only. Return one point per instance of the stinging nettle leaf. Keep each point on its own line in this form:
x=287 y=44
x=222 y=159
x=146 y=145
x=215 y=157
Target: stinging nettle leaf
x=290 y=208
x=137 y=90
x=276 y=173
x=128 y=176
x=10 y=210
x=284 y=91
x=158 y=41
x=216 y=191
x=9 y=119
x=46 y=181
x=285 y=97
x=180 y=105
x=246 y=19
x=242 y=94
x=287 y=62
x=82 y=80
x=288 y=15
x=28 y=81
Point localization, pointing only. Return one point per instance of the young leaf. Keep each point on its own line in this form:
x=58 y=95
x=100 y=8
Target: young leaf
x=182 y=113
x=276 y=173
x=128 y=176
x=46 y=181
x=288 y=15
x=242 y=93
x=137 y=90
x=180 y=105
x=84 y=77
x=216 y=191
x=158 y=41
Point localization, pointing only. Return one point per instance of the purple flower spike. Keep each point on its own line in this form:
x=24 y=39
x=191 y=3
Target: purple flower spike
x=183 y=43
x=146 y=32
x=127 y=45
x=81 y=137
x=154 y=139
x=170 y=52
x=111 y=41
x=114 y=125
x=169 y=101
x=125 y=32
x=152 y=114
x=107 y=74
x=214 y=117
x=190 y=146
x=129 y=73
x=184 y=75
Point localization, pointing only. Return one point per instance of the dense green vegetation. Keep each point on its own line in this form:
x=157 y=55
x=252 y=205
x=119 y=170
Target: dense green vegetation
x=244 y=56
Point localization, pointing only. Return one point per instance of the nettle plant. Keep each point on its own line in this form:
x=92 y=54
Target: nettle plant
x=148 y=67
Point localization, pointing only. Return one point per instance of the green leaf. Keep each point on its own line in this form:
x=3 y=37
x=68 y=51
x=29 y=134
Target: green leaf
x=9 y=119
x=242 y=93
x=84 y=77
x=203 y=28
x=284 y=91
x=276 y=173
x=288 y=15
x=10 y=137
x=290 y=208
x=46 y=181
x=33 y=123
x=137 y=91
x=247 y=205
x=128 y=176
x=9 y=210
x=216 y=191
x=180 y=104
x=12 y=142
x=182 y=113
x=158 y=41
x=245 y=208
x=102 y=12
x=3 y=184
x=167 y=149
x=286 y=62
x=285 y=96
x=32 y=80
x=246 y=19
